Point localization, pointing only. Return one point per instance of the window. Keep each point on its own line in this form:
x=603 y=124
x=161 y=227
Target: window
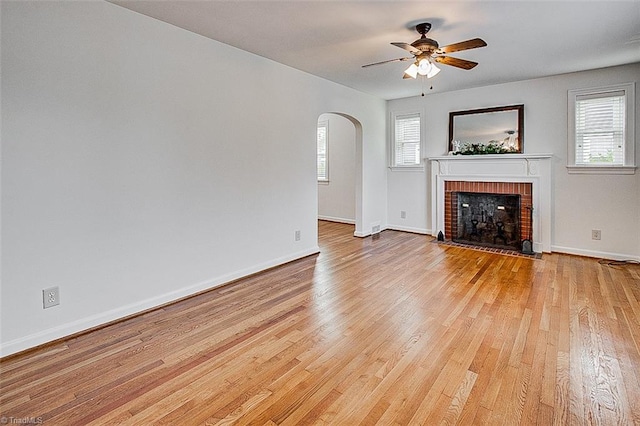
x=601 y=130
x=406 y=140
x=323 y=151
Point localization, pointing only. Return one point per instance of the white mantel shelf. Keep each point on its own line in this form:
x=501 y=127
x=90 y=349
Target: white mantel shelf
x=485 y=157
x=533 y=168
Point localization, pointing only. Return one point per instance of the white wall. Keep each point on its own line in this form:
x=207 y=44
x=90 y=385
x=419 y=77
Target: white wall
x=337 y=197
x=580 y=203
x=142 y=163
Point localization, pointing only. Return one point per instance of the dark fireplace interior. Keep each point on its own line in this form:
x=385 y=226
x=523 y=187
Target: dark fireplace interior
x=491 y=220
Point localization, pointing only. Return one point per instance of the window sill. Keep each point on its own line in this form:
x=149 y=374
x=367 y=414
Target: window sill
x=419 y=168
x=601 y=170
x=323 y=182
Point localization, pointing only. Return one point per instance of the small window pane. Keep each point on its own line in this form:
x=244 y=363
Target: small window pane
x=323 y=169
x=407 y=140
x=600 y=125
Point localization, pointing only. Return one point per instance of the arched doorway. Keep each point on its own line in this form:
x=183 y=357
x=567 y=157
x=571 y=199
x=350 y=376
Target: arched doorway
x=340 y=195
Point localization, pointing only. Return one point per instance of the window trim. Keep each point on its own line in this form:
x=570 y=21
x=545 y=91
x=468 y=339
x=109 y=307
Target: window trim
x=325 y=124
x=629 y=165
x=392 y=142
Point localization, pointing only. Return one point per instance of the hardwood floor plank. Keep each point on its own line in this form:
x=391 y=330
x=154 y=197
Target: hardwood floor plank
x=519 y=394
x=473 y=405
x=534 y=389
x=460 y=398
x=562 y=401
x=393 y=330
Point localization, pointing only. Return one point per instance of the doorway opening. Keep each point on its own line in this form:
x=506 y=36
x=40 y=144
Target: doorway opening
x=339 y=169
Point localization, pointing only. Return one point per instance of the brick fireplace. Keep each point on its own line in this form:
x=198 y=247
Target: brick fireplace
x=526 y=175
x=523 y=190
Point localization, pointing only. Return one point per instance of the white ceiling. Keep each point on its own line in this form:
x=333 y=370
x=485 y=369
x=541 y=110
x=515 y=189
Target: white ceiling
x=333 y=39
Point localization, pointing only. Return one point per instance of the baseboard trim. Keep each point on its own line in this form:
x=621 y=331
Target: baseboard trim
x=84 y=325
x=593 y=253
x=409 y=229
x=337 y=219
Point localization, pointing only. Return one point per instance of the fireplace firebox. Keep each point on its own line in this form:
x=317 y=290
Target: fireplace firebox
x=486 y=219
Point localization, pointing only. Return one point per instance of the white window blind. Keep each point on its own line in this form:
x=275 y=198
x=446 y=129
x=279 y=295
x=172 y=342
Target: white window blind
x=407 y=140
x=323 y=166
x=600 y=128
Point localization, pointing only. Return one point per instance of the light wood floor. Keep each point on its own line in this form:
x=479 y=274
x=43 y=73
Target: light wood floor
x=394 y=330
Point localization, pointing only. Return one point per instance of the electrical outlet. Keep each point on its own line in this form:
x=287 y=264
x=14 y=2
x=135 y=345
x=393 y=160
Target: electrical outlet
x=596 y=234
x=403 y=214
x=50 y=297
x=297 y=235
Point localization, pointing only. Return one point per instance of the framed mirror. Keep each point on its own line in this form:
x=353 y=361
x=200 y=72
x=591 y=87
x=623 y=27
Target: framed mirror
x=495 y=130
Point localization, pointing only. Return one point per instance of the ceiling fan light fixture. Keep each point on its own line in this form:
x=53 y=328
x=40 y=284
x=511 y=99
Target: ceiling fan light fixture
x=412 y=71
x=424 y=66
x=433 y=71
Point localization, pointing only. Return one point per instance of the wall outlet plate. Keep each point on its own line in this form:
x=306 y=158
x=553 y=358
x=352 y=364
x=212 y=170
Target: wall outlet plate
x=50 y=297
x=596 y=234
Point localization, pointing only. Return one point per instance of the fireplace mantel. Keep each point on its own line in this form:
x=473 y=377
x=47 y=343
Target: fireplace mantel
x=533 y=168
x=483 y=157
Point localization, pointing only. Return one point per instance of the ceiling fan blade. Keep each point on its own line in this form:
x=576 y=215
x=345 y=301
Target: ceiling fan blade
x=407 y=46
x=455 y=62
x=390 y=60
x=474 y=43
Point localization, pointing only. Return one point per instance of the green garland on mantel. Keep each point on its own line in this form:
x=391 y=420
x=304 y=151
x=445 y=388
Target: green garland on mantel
x=484 y=148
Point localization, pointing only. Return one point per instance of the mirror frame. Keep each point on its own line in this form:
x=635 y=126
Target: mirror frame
x=520 y=128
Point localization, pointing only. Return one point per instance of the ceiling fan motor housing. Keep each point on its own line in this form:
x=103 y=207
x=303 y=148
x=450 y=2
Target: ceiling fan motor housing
x=426 y=45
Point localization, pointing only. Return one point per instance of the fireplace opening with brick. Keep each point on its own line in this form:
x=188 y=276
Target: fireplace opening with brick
x=489 y=214
x=491 y=220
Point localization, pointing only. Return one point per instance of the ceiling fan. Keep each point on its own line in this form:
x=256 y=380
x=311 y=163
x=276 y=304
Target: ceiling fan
x=426 y=52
